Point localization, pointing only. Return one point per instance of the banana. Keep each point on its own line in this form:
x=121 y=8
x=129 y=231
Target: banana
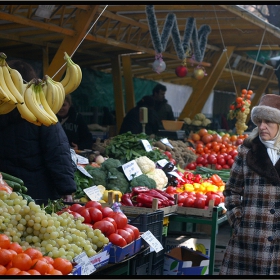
x=5 y=88
x=66 y=78
x=80 y=73
x=73 y=81
x=61 y=96
x=17 y=80
x=33 y=106
x=3 y=95
x=11 y=86
x=6 y=108
x=43 y=101
x=51 y=94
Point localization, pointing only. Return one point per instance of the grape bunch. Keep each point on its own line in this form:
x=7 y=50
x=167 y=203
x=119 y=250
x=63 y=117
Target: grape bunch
x=54 y=235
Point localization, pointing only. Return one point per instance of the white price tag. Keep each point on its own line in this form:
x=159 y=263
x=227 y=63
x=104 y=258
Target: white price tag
x=83 y=260
x=176 y=175
x=131 y=170
x=147 y=145
x=166 y=142
x=82 y=160
x=152 y=241
x=84 y=171
x=93 y=193
x=162 y=162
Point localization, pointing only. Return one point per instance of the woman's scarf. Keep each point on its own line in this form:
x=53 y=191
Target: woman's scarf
x=272 y=150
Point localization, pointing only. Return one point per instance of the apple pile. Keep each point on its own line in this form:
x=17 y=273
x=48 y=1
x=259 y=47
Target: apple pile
x=217 y=151
x=114 y=225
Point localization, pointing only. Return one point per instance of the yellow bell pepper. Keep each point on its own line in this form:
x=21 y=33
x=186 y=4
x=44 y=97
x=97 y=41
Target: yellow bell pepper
x=188 y=187
x=114 y=193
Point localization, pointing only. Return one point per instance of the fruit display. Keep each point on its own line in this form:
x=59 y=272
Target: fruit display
x=37 y=100
x=240 y=109
x=214 y=150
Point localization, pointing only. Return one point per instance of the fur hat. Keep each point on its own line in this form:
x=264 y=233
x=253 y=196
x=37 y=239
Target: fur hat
x=268 y=109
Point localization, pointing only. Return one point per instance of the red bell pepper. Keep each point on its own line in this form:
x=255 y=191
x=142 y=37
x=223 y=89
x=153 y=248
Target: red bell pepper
x=126 y=199
x=147 y=200
x=170 y=197
x=155 y=194
x=140 y=189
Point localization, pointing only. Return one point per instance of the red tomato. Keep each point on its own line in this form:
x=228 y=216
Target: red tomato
x=182 y=197
x=199 y=203
x=227 y=157
x=74 y=207
x=111 y=220
x=221 y=161
x=225 y=166
x=106 y=227
x=191 y=166
x=135 y=230
x=85 y=213
x=189 y=201
x=121 y=219
x=215 y=197
x=218 y=167
x=95 y=204
x=200 y=160
x=75 y=214
x=125 y=234
x=230 y=162
x=168 y=154
x=117 y=240
x=212 y=159
x=95 y=214
x=170 y=190
x=173 y=161
x=106 y=211
x=80 y=209
x=130 y=231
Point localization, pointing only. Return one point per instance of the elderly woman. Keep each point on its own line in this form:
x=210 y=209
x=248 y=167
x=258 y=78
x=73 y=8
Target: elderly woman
x=252 y=197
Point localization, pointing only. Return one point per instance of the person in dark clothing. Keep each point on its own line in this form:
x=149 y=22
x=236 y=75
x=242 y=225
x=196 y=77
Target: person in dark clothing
x=39 y=155
x=73 y=123
x=163 y=109
x=131 y=121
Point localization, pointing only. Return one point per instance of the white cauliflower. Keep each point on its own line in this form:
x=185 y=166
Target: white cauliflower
x=159 y=177
x=145 y=164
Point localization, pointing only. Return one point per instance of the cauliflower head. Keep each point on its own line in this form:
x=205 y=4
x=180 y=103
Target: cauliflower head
x=160 y=178
x=145 y=164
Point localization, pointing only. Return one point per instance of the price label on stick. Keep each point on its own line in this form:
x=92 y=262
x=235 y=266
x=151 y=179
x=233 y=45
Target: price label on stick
x=166 y=142
x=83 y=260
x=152 y=241
x=162 y=162
x=147 y=145
x=131 y=169
x=93 y=193
x=84 y=171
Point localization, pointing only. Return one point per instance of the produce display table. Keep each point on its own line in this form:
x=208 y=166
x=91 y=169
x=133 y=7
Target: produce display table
x=216 y=219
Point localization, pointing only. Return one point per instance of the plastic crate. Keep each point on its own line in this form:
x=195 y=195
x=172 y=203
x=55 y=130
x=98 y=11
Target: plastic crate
x=141 y=264
x=158 y=268
x=149 y=221
x=159 y=257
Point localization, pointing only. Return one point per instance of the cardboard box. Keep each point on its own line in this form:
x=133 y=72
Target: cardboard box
x=184 y=261
x=118 y=254
x=197 y=244
x=99 y=260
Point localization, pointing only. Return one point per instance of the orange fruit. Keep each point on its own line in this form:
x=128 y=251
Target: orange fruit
x=63 y=265
x=3 y=270
x=22 y=261
x=55 y=272
x=48 y=259
x=5 y=256
x=33 y=272
x=41 y=266
x=12 y=271
x=4 y=241
x=16 y=247
x=33 y=253
x=202 y=132
x=195 y=137
x=14 y=253
x=23 y=273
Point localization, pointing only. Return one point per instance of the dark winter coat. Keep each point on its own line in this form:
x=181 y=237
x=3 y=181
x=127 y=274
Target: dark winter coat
x=76 y=130
x=39 y=155
x=131 y=122
x=164 y=111
x=252 y=199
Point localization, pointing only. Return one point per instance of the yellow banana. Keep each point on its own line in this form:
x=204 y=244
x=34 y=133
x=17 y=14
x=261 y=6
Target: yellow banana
x=6 y=108
x=65 y=80
x=5 y=87
x=73 y=81
x=11 y=86
x=17 y=80
x=32 y=104
x=61 y=96
x=3 y=95
x=80 y=73
x=46 y=106
x=51 y=95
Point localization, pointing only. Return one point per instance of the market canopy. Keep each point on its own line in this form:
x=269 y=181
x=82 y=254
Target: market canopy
x=116 y=39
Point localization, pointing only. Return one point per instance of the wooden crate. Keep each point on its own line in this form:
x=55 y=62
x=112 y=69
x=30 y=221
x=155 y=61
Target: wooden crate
x=190 y=211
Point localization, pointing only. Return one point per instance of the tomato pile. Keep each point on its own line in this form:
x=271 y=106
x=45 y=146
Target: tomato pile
x=114 y=225
x=213 y=149
x=16 y=261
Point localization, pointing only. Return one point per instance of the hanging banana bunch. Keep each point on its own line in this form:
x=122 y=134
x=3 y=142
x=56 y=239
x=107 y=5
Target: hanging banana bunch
x=73 y=75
